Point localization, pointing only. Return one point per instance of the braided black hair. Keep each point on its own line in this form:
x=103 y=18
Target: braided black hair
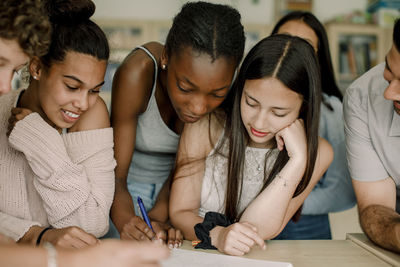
x=208 y=28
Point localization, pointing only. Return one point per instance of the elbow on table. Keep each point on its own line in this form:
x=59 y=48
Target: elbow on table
x=179 y=221
x=267 y=232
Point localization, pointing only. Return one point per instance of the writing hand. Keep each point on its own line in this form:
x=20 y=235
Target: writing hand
x=137 y=229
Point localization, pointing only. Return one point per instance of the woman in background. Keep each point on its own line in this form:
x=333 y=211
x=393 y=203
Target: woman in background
x=334 y=192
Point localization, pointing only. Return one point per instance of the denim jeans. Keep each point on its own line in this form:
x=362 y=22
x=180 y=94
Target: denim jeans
x=148 y=193
x=308 y=227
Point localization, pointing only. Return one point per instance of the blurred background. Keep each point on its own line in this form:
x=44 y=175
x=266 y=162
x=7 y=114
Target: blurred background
x=359 y=31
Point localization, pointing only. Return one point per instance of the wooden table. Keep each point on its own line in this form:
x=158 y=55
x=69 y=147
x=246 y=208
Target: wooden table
x=386 y=255
x=309 y=253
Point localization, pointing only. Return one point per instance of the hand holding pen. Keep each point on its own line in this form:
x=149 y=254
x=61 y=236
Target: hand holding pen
x=172 y=233
x=144 y=213
x=138 y=229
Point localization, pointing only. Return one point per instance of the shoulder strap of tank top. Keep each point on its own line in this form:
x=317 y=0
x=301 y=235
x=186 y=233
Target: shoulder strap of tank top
x=155 y=66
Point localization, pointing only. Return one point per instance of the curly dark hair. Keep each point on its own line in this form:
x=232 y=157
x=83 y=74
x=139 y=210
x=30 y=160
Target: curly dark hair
x=26 y=22
x=208 y=28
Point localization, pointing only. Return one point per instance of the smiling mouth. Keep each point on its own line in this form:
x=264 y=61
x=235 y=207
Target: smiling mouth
x=258 y=133
x=70 y=116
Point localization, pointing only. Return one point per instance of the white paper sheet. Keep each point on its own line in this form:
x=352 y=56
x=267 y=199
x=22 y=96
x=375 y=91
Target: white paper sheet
x=183 y=257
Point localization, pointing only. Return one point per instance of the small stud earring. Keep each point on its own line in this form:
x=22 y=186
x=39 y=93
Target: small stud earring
x=35 y=77
x=164 y=66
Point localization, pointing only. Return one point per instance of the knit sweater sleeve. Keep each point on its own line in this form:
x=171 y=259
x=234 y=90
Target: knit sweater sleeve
x=14 y=227
x=74 y=172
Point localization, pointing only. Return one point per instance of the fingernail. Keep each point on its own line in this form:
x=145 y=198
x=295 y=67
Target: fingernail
x=176 y=245
x=170 y=246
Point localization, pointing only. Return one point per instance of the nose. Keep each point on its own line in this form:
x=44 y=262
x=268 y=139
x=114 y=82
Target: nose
x=199 y=106
x=5 y=82
x=392 y=92
x=260 y=121
x=82 y=101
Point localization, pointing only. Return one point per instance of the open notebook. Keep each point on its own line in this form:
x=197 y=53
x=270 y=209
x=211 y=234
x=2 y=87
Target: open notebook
x=190 y=258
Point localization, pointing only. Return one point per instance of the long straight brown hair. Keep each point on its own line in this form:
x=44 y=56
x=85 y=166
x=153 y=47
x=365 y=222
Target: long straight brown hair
x=292 y=61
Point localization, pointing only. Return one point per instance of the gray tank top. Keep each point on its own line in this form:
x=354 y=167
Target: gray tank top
x=156 y=144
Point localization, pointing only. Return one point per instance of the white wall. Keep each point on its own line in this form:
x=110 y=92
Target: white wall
x=259 y=11
x=328 y=9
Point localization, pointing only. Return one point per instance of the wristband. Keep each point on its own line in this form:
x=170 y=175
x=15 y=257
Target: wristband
x=203 y=229
x=41 y=235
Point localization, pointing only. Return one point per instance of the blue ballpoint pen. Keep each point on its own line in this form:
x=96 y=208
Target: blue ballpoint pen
x=144 y=213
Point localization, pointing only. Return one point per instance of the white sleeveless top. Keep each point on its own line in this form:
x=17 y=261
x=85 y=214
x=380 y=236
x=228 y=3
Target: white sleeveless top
x=213 y=191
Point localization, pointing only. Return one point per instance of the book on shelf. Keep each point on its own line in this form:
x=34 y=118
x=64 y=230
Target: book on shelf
x=357 y=54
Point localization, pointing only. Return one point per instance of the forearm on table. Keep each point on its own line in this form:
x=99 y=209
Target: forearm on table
x=382 y=225
x=185 y=221
x=122 y=209
x=271 y=205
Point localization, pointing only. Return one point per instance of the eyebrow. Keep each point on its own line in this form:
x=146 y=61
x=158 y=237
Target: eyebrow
x=214 y=90
x=79 y=81
x=279 y=108
x=4 y=59
x=252 y=98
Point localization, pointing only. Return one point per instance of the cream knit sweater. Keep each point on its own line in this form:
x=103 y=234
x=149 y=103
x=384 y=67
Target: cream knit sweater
x=52 y=179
